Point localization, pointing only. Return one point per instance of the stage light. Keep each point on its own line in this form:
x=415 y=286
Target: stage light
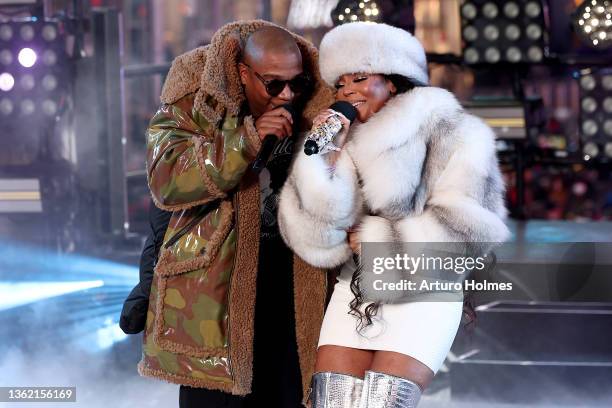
x=350 y=11
x=470 y=33
x=6 y=106
x=6 y=58
x=513 y=32
x=490 y=10
x=589 y=127
x=595 y=112
x=491 y=32
x=514 y=28
x=49 y=33
x=593 y=23
x=469 y=11
x=49 y=57
x=533 y=9
x=27 y=57
x=27 y=107
x=6 y=82
x=513 y=54
x=589 y=104
x=608 y=150
x=590 y=150
x=49 y=107
x=27 y=82
x=6 y=32
x=471 y=55
x=49 y=82
x=27 y=33
x=511 y=10
x=492 y=55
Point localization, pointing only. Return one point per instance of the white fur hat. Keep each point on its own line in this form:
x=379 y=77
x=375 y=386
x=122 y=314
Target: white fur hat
x=371 y=48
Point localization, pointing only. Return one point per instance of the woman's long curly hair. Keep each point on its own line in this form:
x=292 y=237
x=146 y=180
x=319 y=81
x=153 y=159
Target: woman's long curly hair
x=402 y=85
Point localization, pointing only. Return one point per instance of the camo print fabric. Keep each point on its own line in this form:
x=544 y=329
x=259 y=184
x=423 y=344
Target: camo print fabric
x=187 y=330
x=190 y=162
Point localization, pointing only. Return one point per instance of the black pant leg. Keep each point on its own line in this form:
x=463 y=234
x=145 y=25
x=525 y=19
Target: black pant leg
x=190 y=397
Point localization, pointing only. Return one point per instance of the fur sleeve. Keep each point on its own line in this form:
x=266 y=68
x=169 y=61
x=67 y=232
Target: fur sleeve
x=317 y=205
x=466 y=202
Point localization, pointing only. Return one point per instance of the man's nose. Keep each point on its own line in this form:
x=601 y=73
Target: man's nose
x=286 y=94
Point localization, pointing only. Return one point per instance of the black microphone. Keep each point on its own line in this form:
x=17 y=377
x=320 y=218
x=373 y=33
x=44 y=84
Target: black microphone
x=267 y=145
x=323 y=134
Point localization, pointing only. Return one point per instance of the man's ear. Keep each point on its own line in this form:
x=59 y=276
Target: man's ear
x=243 y=71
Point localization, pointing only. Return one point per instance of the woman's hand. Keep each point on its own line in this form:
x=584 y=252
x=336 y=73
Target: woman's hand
x=340 y=139
x=353 y=239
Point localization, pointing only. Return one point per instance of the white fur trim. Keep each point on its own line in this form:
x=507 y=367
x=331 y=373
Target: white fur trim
x=328 y=194
x=319 y=243
x=371 y=48
x=375 y=229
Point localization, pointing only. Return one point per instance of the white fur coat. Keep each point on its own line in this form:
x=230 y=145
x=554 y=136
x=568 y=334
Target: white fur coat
x=420 y=170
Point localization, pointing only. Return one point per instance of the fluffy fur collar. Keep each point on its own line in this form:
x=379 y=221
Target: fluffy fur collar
x=402 y=121
x=212 y=72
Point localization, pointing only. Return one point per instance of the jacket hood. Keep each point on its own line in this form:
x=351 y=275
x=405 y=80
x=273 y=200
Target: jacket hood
x=212 y=72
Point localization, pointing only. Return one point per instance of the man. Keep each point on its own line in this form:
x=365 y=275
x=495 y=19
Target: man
x=219 y=102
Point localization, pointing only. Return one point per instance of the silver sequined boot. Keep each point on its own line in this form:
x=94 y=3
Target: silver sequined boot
x=388 y=391
x=334 y=390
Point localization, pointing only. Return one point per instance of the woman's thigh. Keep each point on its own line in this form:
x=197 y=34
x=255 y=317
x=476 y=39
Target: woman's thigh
x=402 y=365
x=345 y=360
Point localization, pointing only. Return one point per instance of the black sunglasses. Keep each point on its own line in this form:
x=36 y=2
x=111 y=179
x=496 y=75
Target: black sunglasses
x=299 y=84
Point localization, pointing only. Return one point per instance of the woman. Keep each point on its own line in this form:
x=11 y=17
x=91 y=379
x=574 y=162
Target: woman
x=414 y=167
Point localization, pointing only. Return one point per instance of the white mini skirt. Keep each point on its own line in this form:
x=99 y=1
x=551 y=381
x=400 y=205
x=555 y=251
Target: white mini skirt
x=422 y=330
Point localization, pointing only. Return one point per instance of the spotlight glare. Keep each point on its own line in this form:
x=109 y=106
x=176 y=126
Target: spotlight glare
x=606 y=82
x=607 y=127
x=27 y=57
x=608 y=149
x=6 y=82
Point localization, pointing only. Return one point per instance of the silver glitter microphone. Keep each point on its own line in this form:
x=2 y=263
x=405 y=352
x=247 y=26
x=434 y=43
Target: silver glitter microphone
x=324 y=133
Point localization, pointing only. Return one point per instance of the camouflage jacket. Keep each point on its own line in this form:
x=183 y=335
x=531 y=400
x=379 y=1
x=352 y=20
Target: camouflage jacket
x=199 y=329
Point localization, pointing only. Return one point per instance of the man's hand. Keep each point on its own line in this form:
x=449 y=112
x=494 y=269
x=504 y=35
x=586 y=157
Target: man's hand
x=276 y=122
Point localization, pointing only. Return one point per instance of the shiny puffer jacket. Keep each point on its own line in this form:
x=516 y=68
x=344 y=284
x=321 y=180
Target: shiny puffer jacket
x=199 y=329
